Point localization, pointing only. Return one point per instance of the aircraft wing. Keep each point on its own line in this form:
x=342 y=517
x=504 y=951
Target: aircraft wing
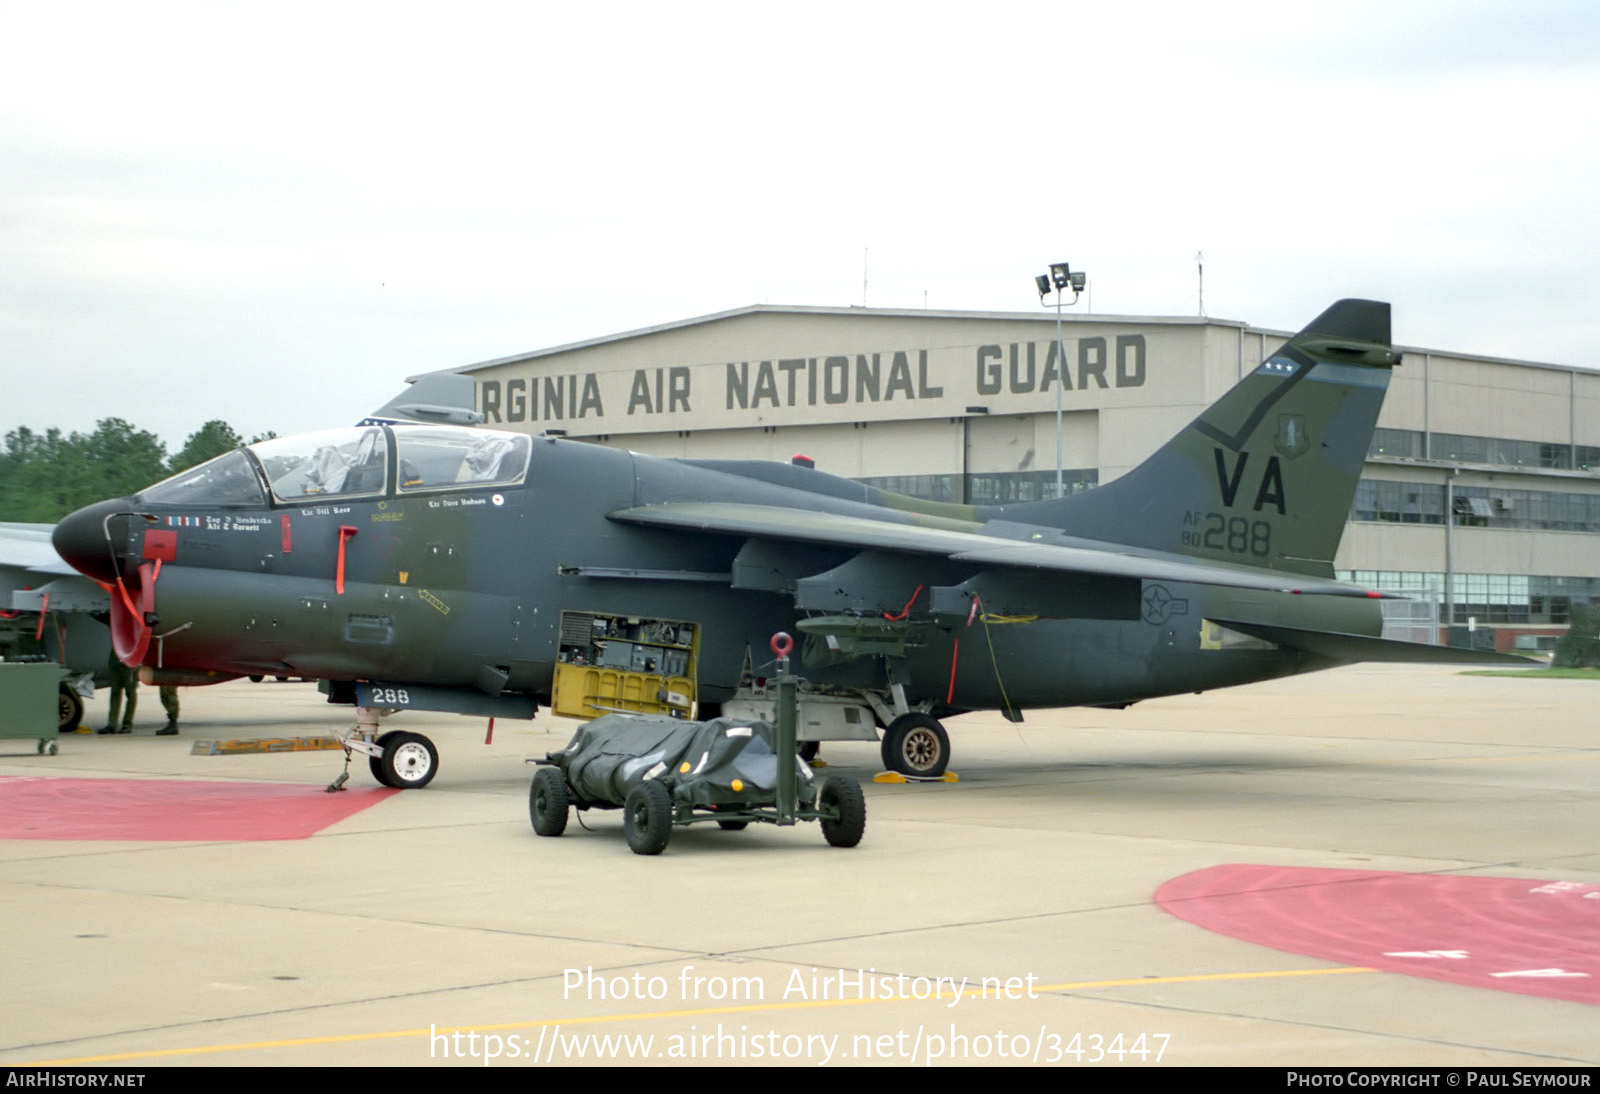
x=27 y=547
x=776 y=522
x=31 y=571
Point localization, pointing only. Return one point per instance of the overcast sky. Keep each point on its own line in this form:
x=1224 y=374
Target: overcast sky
x=272 y=214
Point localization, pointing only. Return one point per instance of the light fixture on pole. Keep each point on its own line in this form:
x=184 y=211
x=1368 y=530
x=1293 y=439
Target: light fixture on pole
x=1061 y=279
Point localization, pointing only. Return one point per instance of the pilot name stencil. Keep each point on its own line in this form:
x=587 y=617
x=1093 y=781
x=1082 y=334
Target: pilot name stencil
x=230 y=523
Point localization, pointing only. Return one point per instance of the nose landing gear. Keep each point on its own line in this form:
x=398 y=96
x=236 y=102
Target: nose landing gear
x=403 y=761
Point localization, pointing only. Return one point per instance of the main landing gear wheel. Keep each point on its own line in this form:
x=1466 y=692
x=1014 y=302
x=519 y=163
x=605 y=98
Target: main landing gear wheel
x=409 y=761
x=547 y=802
x=842 y=798
x=71 y=710
x=916 y=745
x=807 y=750
x=647 y=818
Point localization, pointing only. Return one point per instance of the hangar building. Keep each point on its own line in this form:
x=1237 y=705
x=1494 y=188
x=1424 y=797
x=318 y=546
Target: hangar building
x=1481 y=492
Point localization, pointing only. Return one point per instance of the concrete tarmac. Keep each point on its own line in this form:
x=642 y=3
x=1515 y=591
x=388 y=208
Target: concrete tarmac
x=434 y=927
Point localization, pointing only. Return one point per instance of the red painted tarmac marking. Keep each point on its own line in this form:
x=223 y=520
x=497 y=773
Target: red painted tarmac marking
x=1511 y=934
x=170 y=810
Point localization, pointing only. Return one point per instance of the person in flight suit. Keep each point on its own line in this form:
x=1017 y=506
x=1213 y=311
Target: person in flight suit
x=124 y=681
x=169 y=703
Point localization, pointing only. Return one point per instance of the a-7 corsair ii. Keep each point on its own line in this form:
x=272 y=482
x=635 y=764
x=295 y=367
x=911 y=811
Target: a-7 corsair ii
x=448 y=568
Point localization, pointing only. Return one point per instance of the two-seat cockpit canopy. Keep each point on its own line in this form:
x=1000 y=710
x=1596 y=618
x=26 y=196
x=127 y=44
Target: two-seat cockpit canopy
x=358 y=462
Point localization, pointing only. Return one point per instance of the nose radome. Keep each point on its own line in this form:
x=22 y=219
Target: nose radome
x=94 y=539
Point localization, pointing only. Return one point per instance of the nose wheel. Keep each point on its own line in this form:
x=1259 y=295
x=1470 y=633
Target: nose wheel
x=408 y=761
x=403 y=761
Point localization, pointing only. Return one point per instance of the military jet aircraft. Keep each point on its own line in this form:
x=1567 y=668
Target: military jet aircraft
x=440 y=567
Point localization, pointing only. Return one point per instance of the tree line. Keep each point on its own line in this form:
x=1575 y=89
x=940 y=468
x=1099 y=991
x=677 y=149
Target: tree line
x=45 y=476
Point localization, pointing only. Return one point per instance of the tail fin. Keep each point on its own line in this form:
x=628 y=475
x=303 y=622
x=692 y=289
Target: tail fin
x=1265 y=476
x=432 y=398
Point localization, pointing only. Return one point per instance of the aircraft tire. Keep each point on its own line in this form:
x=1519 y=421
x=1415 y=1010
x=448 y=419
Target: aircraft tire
x=807 y=750
x=409 y=761
x=733 y=826
x=647 y=818
x=547 y=802
x=71 y=710
x=916 y=745
x=842 y=794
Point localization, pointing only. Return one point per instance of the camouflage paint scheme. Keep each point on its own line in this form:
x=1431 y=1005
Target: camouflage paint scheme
x=1209 y=565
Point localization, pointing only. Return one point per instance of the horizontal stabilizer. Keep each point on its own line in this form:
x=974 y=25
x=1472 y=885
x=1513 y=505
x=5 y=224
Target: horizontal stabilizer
x=1362 y=647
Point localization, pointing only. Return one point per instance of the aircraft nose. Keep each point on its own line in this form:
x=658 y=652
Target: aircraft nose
x=94 y=540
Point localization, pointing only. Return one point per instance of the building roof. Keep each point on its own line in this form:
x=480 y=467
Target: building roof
x=803 y=309
x=923 y=313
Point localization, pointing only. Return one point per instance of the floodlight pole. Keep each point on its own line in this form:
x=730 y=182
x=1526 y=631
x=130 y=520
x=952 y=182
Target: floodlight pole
x=1061 y=363
x=1059 y=278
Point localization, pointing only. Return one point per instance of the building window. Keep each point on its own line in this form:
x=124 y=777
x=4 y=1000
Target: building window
x=1402 y=443
x=996 y=488
x=1500 y=451
x=1476 y=506
x=1489 y=598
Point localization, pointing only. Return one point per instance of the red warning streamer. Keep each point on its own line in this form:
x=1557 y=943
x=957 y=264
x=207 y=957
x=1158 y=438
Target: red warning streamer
x=345 y=532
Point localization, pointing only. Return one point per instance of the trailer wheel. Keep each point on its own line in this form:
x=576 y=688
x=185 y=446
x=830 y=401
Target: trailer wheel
x=547 y=802
x=733 y=826
x=647 y=818
x=916 y=745
x=841 y=796
x=409 y=762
